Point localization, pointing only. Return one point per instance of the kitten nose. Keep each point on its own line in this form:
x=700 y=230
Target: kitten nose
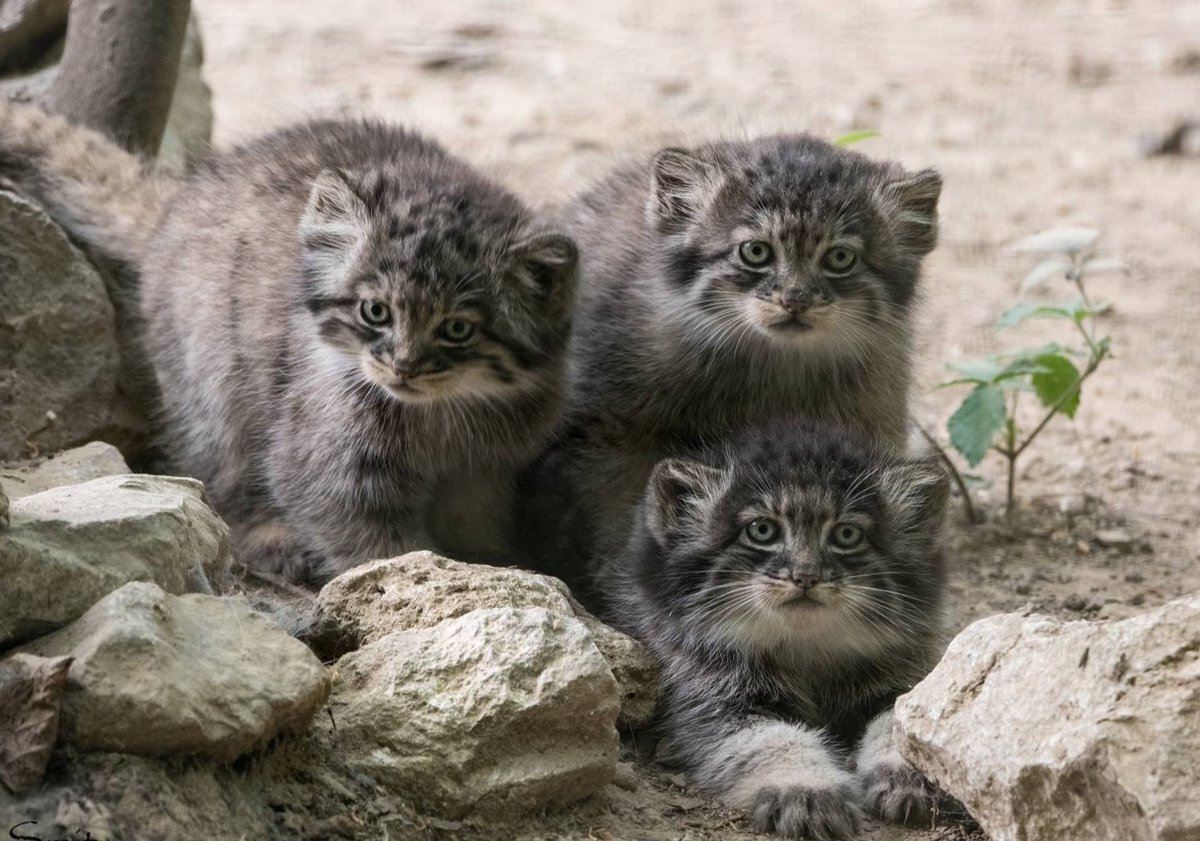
x=403 y=368
x=795 y=301
x=806 y=580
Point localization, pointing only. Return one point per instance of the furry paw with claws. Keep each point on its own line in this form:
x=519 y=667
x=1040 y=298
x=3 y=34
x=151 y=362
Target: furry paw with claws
x=897 y=793
x=826 y=814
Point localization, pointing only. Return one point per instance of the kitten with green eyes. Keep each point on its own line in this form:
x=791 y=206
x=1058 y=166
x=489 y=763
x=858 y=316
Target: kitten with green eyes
x=791 y=582
x=721 y=284
x=358 y=337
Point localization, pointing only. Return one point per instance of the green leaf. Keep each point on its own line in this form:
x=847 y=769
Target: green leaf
x=1057 y=379
x=979 y=371
x=974 y=425
x=1058 y=241
x=854 y=137
x=1030 y=355
x=1043 y=271
x=1022 y=312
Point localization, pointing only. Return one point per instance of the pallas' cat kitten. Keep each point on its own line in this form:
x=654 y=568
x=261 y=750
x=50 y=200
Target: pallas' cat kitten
x=357 y=336
x=791 y=583
x=720 y=284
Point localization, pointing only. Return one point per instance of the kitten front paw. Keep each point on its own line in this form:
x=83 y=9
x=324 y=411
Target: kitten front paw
x=898 y=793
x=827 y=814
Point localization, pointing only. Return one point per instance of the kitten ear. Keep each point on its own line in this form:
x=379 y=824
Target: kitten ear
x=680 y=183
x=547 y=263
x=916 y=493
x=336 y=216
x=914 y=199
x=677 y=488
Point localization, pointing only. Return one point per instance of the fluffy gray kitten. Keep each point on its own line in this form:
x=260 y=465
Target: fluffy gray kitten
x=720 y=284
x=791 y=582
x=357 y=336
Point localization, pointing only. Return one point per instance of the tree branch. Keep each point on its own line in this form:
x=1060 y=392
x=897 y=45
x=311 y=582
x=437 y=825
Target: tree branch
x=118 y=68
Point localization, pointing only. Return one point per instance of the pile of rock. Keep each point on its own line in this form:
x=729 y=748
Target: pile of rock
x=453 y=691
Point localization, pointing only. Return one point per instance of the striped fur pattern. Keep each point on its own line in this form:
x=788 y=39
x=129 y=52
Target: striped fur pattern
x=358 y=339
x=720 y=284
x=791 y=582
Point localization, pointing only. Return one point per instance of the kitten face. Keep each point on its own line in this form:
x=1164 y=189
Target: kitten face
x=795 y=536
x=790 y=241
x=433 y=299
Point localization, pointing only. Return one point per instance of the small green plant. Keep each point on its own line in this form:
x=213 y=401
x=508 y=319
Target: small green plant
x=1053 y=374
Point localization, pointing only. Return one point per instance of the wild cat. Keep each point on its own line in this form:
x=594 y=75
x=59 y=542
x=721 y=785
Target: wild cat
x=790 y=581
x=720 y=284
x=357 y=336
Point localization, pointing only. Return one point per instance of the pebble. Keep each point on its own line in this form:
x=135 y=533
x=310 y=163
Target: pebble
x=1075 y=602
x=1115 y=539
x=1072 y=504
x=625 y=777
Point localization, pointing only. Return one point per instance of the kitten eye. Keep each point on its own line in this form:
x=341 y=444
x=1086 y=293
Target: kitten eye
x=846 y=537
x=839 y=259
x=375 y=312
x=756 y=253
x=456 y=330
x=762 y=530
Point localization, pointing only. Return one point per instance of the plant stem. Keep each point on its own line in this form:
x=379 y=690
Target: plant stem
x=968 y=506
x=1011 y=453
x=1062 y=401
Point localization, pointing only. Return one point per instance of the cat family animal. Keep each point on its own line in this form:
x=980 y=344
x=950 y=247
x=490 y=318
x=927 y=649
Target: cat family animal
x=790 y=580
x=357 y=336
x=721 y=284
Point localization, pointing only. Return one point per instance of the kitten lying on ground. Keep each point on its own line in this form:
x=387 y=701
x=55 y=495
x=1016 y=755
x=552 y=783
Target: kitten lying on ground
x=791 y=582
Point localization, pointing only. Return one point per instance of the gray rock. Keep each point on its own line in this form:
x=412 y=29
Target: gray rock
x=57 y=337
x=1080 y=730
x=68 y=547
x=70 y=467
x=635 y=668
x=190 y=675
x=421 y=589
x=3 y=509
x=499 y=711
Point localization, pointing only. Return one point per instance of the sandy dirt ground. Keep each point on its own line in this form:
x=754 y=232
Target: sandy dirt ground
x=1032 y=112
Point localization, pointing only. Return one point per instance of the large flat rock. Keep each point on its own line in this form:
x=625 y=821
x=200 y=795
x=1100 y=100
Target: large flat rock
x=1088 y=731
x=67 y=547
x=189 y=675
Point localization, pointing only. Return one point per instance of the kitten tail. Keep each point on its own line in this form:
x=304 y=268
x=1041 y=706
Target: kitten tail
x=107 y=199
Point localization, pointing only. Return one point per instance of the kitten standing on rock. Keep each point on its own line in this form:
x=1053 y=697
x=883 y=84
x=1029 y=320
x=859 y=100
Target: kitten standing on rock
x=791 y=583
x=357 y=336
x=721 y=284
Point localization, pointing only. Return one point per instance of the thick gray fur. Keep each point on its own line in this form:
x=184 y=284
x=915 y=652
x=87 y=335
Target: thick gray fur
x=678 y=340
x=325 y=440
x=781 y=661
